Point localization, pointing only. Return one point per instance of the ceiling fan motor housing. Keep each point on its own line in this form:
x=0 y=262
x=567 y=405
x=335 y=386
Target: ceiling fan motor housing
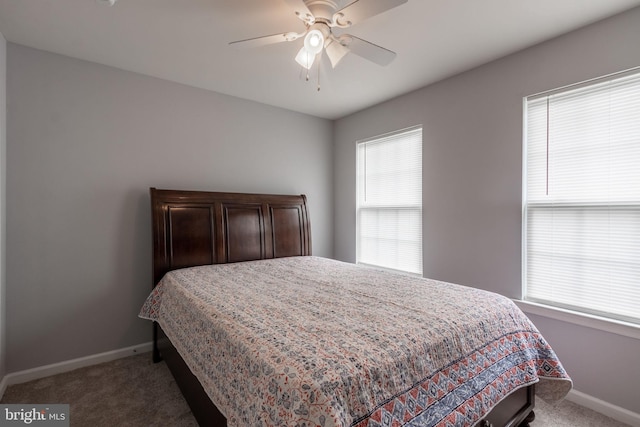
x=322 y=10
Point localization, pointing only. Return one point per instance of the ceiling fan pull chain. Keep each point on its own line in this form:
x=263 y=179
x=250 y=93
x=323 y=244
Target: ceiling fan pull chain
x=319 y=76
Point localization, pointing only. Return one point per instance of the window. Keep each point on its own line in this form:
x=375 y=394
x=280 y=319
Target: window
x=582 y=198
x=389 y=201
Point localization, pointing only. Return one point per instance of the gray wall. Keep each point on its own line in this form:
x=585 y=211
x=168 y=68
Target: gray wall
x=3 y=165
x=85 y=143
x=472 y=171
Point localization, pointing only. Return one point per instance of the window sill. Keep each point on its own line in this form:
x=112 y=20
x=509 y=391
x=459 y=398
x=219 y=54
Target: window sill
x=582 y=319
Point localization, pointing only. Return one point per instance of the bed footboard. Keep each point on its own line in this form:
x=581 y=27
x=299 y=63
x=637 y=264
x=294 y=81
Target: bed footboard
x=516 y=410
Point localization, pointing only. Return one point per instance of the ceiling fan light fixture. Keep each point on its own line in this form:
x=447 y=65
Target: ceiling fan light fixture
x=335 y=51
x=314 y=41
x=305 y=58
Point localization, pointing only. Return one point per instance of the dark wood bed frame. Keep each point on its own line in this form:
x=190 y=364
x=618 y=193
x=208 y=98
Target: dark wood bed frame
x=193 y=228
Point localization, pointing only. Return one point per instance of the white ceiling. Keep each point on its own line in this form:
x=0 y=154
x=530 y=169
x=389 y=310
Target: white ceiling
x=186 y=41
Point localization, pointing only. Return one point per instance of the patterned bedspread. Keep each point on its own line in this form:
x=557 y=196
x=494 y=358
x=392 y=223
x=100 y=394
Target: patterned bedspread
x=308 y=341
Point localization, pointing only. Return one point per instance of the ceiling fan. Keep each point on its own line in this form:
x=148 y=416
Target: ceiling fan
x=320 y=17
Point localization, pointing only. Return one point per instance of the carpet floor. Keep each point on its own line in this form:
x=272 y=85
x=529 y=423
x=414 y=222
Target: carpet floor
x=136 y=392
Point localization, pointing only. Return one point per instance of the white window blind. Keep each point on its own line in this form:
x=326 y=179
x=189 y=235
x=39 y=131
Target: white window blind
x=582 y=198
x=389 y=201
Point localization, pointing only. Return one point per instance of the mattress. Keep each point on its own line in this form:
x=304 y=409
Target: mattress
x=310 y=341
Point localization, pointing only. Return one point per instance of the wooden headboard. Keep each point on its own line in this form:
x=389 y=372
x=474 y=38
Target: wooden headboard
x=193 y=228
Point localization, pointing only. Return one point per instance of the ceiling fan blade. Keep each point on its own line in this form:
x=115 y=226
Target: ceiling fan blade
x=359 y=10
x=301 y=10
x=367 y=50
x=335 y=51
x=265 y=40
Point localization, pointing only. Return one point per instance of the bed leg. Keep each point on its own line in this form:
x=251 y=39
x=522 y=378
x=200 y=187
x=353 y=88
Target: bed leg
x=156 y=352
x=529 y=419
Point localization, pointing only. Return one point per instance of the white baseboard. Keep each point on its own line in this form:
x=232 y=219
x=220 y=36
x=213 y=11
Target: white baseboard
x=605 y=408
x=70 y=365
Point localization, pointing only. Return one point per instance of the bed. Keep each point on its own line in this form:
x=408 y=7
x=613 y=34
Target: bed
x=246 y=317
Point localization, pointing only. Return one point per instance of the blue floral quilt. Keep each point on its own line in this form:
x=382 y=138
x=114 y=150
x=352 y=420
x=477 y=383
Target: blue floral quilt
x=309 y=341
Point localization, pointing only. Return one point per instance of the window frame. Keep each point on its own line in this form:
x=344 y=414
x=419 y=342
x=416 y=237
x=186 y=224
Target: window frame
x=547 y=306
x=389 y=207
